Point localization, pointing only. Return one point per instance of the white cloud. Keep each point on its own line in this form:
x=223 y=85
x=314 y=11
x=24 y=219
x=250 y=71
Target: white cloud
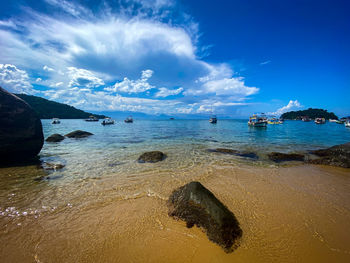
x=46 y=68
x=293 y=104
x=133 y=86
x=164 y=92
x=14 y=79
x=38 y=80
x=265 y=62
x=83 y=78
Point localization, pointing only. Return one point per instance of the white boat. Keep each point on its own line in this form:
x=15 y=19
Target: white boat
x=56 y=121
x=257 y=121
x=129 y=119
x=320 y=120
x=107 y=121
x=305 y=118
x=91 y=118
x=347 y=123
x=213 y=119
x=333 y=120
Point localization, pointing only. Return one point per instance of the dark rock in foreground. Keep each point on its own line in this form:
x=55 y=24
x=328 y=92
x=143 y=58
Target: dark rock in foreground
x=196 y=205
x=21 y=134
x=282 y=157
x=338 y=155
x=78 y=134
x=251 y=155
x=55 y=138
x=151 y=157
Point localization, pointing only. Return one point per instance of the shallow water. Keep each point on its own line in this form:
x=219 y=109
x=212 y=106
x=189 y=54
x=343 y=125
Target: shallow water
x=105 y=207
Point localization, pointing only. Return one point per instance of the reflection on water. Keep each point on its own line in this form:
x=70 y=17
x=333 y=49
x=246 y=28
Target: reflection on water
x=103 y=206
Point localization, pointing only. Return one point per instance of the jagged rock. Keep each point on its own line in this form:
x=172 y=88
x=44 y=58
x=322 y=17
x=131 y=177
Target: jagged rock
x=196 y=205
x=151 y=157
x=338 y=155
x=78 y=134
x=21 y=134
x=282 y=157
x=52 y=166
x=55 y=138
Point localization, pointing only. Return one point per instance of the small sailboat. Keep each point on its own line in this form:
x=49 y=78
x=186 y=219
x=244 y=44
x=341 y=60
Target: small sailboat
x=91 y=118
x=107 y=121
x=257 y=120
x=129 y=119
x=320 y=120
x=56 y=121
x=213 y=119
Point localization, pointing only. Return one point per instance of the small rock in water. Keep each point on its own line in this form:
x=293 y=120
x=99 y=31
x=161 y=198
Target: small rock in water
x=52 y=166
x=196 y=205
x=251 y=155
x=78 y=134
x=55 y=138
x=151 y=157
x=338 y=155
x=282 y=157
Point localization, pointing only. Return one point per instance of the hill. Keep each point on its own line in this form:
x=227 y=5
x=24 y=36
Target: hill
x=311 y=113
x=48 y=109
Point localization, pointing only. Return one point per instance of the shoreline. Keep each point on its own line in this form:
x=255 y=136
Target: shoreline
x=287 y=214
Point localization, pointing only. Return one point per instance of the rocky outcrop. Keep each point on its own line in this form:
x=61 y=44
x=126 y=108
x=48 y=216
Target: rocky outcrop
x=52 y=166
x=151 y=157
x=282 y=157
x=196 y=205
x=21 y=134
x=55 y=138
x=338 y=155
x=78 y=134
x=251 y=155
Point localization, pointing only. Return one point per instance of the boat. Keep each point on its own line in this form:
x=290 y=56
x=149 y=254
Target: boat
x=257 y=121
x=333 y=120
x=91 y=118
x=129 y=120
x=213 y=119
x=107 y=121
x=320 y=120
x=56 y=121
x=347 y=123
x=305 y=118
x=274 y=120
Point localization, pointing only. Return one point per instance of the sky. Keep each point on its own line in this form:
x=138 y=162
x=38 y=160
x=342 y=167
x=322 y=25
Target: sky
x=180 y=58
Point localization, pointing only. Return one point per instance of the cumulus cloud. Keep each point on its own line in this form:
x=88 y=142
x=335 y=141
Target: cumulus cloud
x=46 y=68
x=83 y=78
x=293 y=104
x=164 y=92
x=133 y=86
x=14 y=79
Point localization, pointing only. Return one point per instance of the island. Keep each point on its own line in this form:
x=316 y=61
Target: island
x=47 y=109
x=311 y=113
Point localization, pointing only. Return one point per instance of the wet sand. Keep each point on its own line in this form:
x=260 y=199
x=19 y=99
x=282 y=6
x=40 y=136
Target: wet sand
x=287 y=214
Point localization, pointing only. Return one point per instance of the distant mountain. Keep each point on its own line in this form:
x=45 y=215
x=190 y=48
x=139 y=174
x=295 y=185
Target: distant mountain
x=48 y=109
x=311 y=113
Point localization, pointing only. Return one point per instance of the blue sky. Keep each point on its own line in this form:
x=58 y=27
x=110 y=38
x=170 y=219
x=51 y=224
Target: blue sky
x=179 y=57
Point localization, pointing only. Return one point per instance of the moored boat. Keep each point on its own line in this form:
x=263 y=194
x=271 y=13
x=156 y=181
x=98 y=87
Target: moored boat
x=91 y=118
x=129 y=119
x=333 y=120
x=305 y=118
x=274 y=120
x=347 y=123
x=56 y=121
x=213 y=119
x=257 y=121
x=107 y=121
x=320 y=120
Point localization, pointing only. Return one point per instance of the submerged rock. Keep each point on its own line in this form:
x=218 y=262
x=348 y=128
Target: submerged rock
x=21 y=134
x=196 y=205
x=251 y=155
x=282 y=157
x=55 y=138
x=48 y=178
x=52 y=166
x=78 y=134
x=151 y=157
x=338 y=155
